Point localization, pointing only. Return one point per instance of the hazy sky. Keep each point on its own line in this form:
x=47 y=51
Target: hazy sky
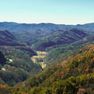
x=54 y=11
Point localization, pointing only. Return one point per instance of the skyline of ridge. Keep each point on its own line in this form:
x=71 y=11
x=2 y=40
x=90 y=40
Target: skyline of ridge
x=44 y=23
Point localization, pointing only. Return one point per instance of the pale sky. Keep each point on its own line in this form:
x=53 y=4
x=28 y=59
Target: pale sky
x=47 y=11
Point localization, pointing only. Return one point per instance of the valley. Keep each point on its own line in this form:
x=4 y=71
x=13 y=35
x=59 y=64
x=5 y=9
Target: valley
x=46 y=58
x=74 y=75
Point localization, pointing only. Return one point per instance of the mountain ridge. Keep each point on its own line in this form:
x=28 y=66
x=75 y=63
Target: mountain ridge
x=32 y=34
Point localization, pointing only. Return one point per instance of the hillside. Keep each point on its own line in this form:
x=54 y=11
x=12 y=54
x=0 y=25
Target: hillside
x=15 y=62
x=6 y=38
x=75 y=75
x=60 y=37
x=16 y=65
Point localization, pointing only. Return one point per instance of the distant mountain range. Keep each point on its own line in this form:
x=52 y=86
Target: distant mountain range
x=44 y=35
x=12 y=26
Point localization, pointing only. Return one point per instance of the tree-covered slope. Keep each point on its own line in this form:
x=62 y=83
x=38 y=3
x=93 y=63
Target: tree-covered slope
x=15 y=60
x=75 y=75
x=16 y=65
x=6 y=38
x=59 y=37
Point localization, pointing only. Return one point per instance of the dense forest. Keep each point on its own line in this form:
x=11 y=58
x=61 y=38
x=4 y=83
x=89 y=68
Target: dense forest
x=75 y=75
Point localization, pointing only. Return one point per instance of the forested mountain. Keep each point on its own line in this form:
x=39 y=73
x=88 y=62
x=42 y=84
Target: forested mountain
x=69 y=65
x=75 y=75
